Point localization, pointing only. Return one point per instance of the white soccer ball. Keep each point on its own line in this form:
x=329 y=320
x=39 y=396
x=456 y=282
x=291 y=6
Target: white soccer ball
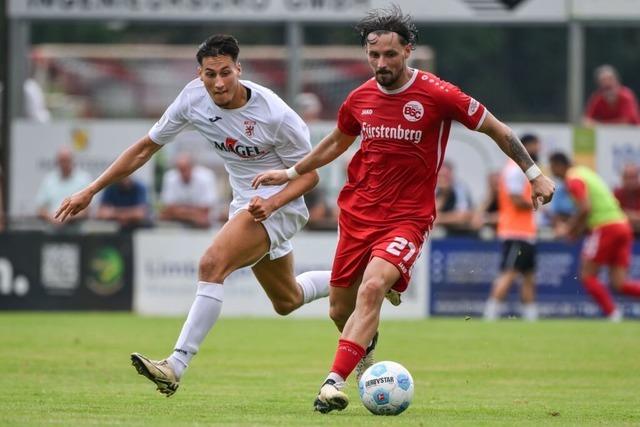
x=386 y=388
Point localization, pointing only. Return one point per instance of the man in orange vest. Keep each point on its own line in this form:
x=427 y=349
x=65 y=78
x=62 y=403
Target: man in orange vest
x=517 y=230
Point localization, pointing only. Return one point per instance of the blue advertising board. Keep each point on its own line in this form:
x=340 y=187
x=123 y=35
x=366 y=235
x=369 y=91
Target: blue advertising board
x=461 y=271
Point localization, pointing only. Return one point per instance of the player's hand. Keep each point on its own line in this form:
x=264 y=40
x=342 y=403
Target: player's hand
x=261 y=208
x=542 y=189
x=73 y=205
x=272 y=177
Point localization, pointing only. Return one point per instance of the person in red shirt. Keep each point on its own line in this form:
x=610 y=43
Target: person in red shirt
x=387 y=206
x=628 y=195
x=612 y=103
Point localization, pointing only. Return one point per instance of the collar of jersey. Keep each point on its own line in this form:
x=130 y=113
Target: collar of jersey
x=403 y=87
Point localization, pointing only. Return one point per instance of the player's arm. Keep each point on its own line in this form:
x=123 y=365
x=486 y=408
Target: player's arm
x=329 y=149
x=577 y=223
x=129 y=161
x=541 y=186
x=261 y=208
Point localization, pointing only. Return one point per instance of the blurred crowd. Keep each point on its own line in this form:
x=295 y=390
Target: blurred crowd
x=190 y=194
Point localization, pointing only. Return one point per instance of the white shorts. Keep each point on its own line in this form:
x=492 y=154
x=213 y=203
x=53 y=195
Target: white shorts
x=282 y=225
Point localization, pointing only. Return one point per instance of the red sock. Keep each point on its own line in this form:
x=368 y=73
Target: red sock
x=600 y=293
x=631 y=288
x=347 y=357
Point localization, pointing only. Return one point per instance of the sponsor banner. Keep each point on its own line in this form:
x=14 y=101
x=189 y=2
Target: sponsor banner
x=475 y=155
x=616 y=146
x=289 y=10
x=462 y=270
x=49 y=272
x=95 y=145
x=166 y=273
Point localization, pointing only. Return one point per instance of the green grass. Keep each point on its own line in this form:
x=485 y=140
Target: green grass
x=74 y=370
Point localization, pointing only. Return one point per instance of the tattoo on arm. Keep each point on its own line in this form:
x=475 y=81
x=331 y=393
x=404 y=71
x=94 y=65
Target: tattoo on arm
x=517 y=152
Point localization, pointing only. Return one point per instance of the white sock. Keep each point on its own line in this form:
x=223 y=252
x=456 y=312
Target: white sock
x=530 y=312
x=492 y=309
x=314 y=284
x=203 y=314
x=338 y=380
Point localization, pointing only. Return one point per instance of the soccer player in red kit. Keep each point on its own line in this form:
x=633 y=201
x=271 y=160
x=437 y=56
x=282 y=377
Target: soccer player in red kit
x=387 y=207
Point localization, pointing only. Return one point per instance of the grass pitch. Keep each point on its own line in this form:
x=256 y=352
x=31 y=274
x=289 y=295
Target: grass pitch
x=74 y=370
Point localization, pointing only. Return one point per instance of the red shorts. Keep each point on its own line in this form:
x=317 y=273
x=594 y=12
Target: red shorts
x=400 y=245
x=609 y=245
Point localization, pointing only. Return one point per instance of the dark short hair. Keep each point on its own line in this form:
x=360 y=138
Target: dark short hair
x=559 y=158
x=218 y=44
x=528 y=138
x=391 y=20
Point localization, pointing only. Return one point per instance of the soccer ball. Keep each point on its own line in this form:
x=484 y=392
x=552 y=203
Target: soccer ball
x=386 y=388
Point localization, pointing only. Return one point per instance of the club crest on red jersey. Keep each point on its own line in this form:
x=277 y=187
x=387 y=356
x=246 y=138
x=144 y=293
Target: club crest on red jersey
x=413 y=111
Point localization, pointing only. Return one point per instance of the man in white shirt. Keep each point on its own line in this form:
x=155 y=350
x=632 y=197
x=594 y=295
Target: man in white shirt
x=58 y=183
x=189 y=193
x=253 y=130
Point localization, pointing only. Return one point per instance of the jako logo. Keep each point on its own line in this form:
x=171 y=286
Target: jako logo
x=230 y=145
x=367 y=112
x=413 y=111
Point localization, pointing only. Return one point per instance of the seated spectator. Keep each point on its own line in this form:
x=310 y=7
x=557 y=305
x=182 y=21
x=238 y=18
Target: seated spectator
x=453 y=203
x=612 y=103
x=126 y=203
x=628 y=194
x=61 y=182
x=487 y=213
x=321 y=216
x=188 y=194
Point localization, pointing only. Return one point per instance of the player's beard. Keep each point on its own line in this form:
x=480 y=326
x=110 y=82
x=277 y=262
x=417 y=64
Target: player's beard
x=386 y=78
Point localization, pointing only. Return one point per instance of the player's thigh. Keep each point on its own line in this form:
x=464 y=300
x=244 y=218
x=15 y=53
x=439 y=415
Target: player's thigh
x=589 y=268
x=276 y=277
x=239 y=243
x=618 y=275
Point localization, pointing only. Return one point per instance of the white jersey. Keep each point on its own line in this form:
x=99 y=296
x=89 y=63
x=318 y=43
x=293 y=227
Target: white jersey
x=263 y=134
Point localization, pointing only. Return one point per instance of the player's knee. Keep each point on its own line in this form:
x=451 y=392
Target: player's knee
x=339 y=314
x=371 y=290
x=213 y=268
x=284 y=307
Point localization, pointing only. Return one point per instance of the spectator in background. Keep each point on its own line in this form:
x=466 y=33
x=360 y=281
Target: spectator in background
x=612 y=103
x=487 y=213
x=35 y=106
x=189 y=194
x=321 y=215
x=308 y=106
x=57 y=184
x=628 y=195
x=125 y=202
x=609 y=240
x=517 y=230
x=453 y=202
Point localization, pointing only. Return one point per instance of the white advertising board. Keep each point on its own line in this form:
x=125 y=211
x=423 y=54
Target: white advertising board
x=166 y=271
x=615 y=147
x=95 y=144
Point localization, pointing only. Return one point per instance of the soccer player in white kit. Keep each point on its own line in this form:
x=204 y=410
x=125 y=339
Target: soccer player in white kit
x=254 y=131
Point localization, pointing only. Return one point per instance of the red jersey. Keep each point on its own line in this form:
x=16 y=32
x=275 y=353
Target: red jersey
x=624 y=111
x=392 y=177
